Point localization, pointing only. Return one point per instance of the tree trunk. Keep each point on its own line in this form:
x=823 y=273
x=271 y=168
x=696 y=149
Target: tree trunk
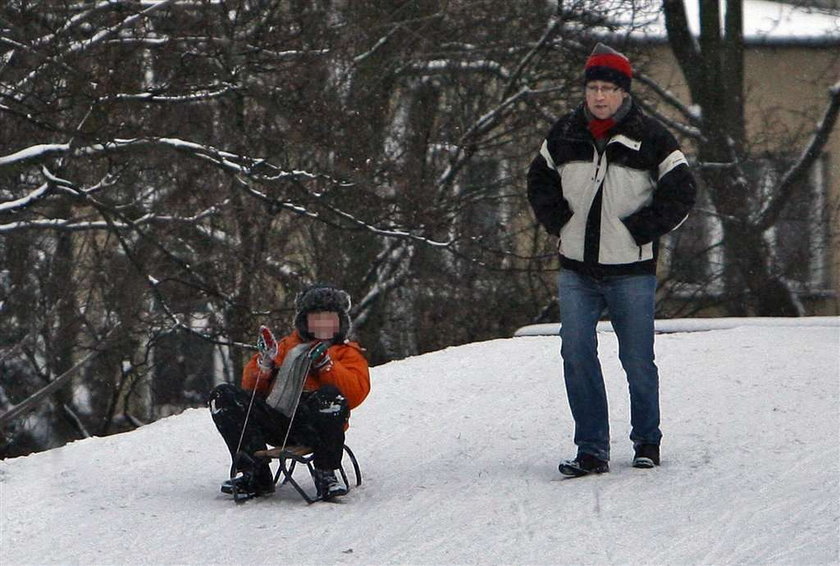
x=61 y=339
x=750 y=284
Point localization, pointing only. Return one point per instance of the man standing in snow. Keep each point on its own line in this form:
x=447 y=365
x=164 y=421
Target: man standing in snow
x=609 y=181
x=338 y=381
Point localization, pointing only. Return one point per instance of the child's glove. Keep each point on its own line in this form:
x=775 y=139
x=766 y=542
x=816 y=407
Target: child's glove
x=319 y=356
x=265 y=363
x=267 y=348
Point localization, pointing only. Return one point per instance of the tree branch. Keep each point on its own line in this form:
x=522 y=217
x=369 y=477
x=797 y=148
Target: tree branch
x=49 y=389
x=684 y=45
x=797 y=173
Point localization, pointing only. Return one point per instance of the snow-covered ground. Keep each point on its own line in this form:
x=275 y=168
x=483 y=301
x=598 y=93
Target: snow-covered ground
x=459 y=451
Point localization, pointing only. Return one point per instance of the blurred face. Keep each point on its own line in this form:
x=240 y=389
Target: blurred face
x=323 y=325
x=603 y=99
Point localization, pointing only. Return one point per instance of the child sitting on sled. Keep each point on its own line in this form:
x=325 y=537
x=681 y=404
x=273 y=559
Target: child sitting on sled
x=338 y=381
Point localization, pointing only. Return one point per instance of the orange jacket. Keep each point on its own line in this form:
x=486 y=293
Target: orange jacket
x=349 y=371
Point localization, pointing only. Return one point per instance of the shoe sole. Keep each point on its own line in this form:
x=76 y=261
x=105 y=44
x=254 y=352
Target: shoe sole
x=572 y=471
x=643 y=463
x=333 y=497
x=240 y=494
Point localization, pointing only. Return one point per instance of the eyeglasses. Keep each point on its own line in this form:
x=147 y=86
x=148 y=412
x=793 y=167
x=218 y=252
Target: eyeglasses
x=591 y=89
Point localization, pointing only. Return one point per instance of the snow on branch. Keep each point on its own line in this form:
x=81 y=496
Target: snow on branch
x=376 y=46
x=54 y=224
x=34 y=152
x=100 y=36
x=71 y=225
x=58 y=185
x=241 y=167
x=232 y=162
x=389 y=232
x=71 y=23
x=441 y=65
x=27 y=200
x=197 y=96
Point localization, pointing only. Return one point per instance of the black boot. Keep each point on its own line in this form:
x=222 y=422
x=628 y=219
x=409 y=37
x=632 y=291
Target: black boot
x=646 y=456
x=254 y=478
x=328 y=485
x=584 y=465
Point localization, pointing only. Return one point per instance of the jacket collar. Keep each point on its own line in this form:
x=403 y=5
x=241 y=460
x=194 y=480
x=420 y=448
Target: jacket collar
x=628 y=122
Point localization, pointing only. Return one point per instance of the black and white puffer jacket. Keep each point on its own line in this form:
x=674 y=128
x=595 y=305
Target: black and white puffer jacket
x=609 y=208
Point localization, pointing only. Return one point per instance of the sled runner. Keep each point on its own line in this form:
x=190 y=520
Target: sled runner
x=291 y=456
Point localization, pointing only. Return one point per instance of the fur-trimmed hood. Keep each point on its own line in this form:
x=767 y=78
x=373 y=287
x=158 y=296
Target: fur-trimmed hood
x=323 y=298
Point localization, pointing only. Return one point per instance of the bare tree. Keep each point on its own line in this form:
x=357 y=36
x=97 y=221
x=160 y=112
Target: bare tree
x=180 y=169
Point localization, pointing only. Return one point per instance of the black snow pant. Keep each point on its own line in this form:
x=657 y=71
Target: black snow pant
x=319 y=423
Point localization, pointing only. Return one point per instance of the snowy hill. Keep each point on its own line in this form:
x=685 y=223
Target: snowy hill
x=459 y=451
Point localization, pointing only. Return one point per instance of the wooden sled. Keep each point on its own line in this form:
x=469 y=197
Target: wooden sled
x=291 y=456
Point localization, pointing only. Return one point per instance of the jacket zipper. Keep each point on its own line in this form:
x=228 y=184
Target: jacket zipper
x=592 y=230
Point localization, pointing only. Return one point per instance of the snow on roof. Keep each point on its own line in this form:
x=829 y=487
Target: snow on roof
x=764 y=21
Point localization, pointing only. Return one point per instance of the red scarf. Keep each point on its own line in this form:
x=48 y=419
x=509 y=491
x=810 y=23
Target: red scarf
x=599 y=128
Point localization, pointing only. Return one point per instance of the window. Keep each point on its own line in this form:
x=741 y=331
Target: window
x=799 y=241
x=693 y=254
x=800 y=237
x=481 y=186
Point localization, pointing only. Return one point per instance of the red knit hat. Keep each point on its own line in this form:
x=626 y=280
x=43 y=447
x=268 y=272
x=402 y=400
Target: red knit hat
x=607 y=64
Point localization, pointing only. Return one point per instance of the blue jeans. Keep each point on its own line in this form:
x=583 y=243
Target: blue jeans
x=630 y=303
